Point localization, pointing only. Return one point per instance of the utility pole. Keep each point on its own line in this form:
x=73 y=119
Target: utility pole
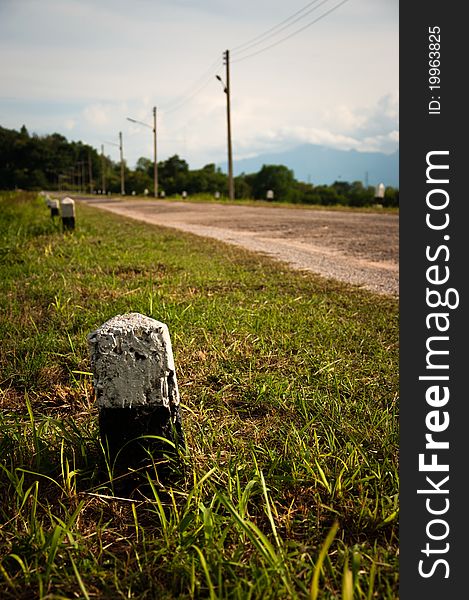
x=122 y=164
x=155 y=166
x=79 y=169
x=120 y=146
x=90 y=173
x=228 y=118
x=155 y=161
x=103 y=170
x=83 y=176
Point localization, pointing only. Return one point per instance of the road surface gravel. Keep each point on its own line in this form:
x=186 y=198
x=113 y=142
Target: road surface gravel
x=360 y=248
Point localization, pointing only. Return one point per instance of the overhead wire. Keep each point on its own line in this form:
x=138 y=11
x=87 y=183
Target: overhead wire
x=194 y=89
x=206 y=77
x=273 y=31
x=287 y=37
x=202 y=82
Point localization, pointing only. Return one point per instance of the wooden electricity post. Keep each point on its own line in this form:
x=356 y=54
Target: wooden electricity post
x=155 y=161
x=122 y=164
x=103 y=170
x=90 y=173
x=155 y=165
x=228 y=117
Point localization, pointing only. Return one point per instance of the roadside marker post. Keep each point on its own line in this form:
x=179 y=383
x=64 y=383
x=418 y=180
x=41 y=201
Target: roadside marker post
x=67 y=206
x=136 y=390
x=54 y=208
x=379 y=191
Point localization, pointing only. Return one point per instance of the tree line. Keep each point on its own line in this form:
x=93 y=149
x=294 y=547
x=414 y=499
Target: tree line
x=51 y=162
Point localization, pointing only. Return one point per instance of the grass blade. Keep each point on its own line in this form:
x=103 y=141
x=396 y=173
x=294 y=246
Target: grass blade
x=314 y=591
x=80 y=580
x=203 y=562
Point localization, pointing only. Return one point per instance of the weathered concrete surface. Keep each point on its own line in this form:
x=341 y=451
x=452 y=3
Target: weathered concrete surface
x=136 y=388
x=133 y=363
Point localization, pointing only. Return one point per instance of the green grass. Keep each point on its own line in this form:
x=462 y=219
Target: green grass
x=288 y=488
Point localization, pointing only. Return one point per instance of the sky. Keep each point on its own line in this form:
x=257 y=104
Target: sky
x=322 y=72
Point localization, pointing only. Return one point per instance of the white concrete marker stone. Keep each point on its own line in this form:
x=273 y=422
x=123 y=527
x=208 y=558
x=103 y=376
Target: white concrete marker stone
x=54 y=208
x=67 y=207
x=136 y=387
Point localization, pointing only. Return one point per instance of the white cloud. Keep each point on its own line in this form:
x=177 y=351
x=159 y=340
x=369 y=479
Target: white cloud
x=383 y=114
x=371 y=128
x=387 y=143
x=97 y=115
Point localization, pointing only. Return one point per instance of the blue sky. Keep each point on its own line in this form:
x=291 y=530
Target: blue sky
x=80 y=67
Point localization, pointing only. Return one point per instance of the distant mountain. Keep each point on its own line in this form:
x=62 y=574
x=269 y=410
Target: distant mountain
x=321 y=165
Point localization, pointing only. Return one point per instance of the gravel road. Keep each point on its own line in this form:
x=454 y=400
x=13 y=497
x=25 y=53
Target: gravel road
x=355 y=247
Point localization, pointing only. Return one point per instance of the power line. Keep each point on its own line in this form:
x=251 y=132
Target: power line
x=202 y=82
x=207 y=76
x=328 y=12
x=186 y=99
x=194 y=89
x=277 y=28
